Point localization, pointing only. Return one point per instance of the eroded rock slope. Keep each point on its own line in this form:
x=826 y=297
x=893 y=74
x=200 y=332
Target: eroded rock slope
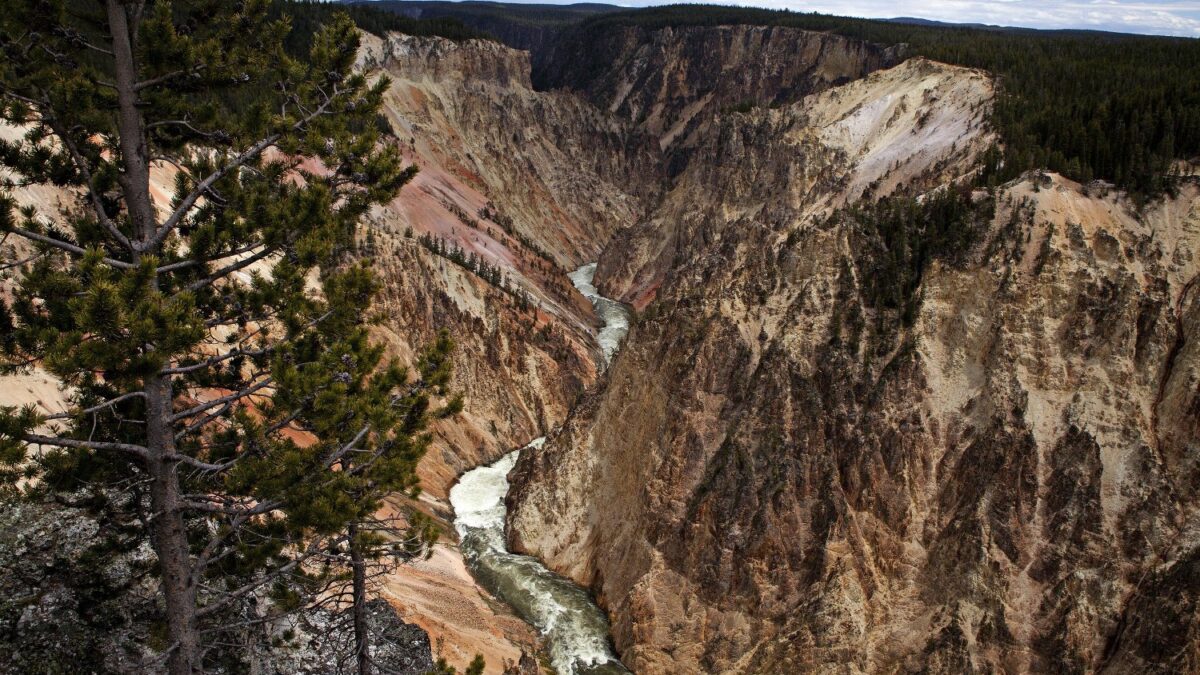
x=531 y=185
x=783 y=474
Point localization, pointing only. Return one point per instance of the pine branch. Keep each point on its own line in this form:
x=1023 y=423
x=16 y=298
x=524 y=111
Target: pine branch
x=244 y=508
x=85 y=170
x=203 y=421
x=313 y=548
x=98 y=408
x=245 y=156
x=233 y=267
x=162 y=79
x=212 y=361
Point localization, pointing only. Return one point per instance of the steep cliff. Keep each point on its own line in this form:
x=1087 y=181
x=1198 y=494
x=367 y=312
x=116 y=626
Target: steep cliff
x=784 y=473
x=671 y=80
x=528 y=184
x=516 y=188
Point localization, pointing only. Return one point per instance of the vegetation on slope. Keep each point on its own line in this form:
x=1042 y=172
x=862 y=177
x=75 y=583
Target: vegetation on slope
x=224 y=394
x=521 y=26
x=309 y=15
x=899 y=236
x=1085 y=104
x=546 y=16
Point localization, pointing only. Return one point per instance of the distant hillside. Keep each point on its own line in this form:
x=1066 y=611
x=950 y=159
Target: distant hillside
x=1085 y=104
x=309 y=15
x=528 y=27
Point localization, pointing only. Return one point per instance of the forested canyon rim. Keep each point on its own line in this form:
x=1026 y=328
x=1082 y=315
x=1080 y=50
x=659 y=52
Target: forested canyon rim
x=834 y=439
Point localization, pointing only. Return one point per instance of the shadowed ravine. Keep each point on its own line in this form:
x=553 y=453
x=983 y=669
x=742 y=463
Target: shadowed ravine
x=575 y=629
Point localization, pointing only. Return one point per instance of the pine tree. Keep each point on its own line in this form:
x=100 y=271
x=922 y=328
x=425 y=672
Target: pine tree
x=380 y=431
x=200 y=354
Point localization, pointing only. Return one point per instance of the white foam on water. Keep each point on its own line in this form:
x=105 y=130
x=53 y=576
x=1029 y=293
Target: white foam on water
x=478 y=497
x=614 y=315
x=575 y=629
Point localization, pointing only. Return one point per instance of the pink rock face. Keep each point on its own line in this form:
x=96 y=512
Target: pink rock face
x=525 y=182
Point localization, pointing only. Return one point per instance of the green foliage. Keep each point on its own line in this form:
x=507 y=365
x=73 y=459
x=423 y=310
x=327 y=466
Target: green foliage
x=214 y=343
x=1085 y=104
x=308 y=16
x=898 y=236
x=475 y=667
x=475 y=265
x=524 y=26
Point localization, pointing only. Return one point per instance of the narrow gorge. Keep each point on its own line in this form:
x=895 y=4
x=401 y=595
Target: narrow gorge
x=782 y=471
x=765 y=360
x=576 y=631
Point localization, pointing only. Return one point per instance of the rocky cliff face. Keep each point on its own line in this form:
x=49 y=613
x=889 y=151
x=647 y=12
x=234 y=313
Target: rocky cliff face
x=531 y=185
x=80 y=597
x=528 y=185
x=782 y=474
x=669 y=81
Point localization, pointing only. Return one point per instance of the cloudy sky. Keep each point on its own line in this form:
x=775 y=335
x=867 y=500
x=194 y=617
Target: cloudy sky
x=1164 y=17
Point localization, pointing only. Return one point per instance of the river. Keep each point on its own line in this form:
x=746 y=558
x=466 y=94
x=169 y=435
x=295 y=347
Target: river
x=575 y=630
x=614 y=316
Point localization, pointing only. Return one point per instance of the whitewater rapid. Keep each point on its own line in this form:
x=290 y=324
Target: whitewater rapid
x=575 y=630
x=613 y=315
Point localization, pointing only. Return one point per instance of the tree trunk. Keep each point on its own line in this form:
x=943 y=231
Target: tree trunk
x=169 y=533
x=135 y=160
x=362 y=638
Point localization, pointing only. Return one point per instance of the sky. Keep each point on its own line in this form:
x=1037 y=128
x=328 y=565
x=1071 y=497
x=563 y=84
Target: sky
x=1161 y=17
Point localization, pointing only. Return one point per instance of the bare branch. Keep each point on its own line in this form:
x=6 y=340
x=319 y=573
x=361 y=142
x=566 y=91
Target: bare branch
x=232 y=267
x=8 y=266
x=196 y=262
x=196 y=410
x=200 y=423
x=98 y=408
x=341 y=452
x=246 y=511
x=70 y=248
x=85 y=169
x=313 y=548
x=201 y=465
x=136 y=450
x=190 y=200
x=168 y=77
x=245 y=156
x=210 y=362
x=213 y=135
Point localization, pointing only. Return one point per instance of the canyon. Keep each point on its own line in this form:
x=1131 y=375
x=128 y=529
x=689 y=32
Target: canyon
x=777 y=475
x=782 y=468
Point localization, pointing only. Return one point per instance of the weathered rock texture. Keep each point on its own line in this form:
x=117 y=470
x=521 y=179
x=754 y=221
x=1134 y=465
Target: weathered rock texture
x=532 y=183
x=669 y=81
x=781 y=476
x=79 y=596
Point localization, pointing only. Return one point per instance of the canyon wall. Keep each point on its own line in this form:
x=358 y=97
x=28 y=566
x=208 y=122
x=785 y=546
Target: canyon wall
x=781 y=473
x=672 y=80
x=532 y=185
